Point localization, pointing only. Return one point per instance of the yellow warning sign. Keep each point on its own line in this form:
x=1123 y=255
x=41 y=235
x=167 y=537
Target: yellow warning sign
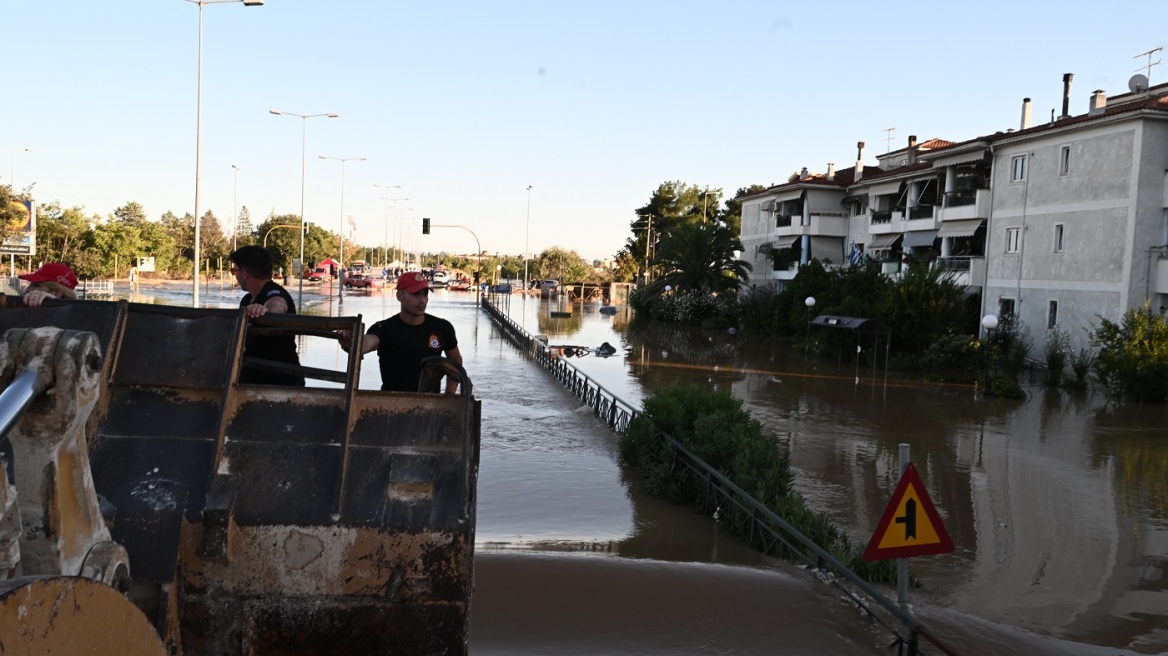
x=910 y=525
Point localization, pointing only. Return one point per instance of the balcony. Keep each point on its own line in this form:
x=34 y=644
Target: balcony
x=881 y=216
x=783 y=220
x=920 y=212
x=1161 y=281
x=968 y=204
x=969 y=271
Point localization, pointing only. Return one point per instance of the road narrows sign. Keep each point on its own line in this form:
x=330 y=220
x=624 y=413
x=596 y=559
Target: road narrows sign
x=910 y=525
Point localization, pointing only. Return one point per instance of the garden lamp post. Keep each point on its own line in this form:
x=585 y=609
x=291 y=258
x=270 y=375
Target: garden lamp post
x=235 y=211
x=989 y=322
x=810 y=303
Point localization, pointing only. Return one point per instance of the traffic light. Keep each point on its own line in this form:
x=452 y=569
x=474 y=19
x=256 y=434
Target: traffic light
x=425 y=226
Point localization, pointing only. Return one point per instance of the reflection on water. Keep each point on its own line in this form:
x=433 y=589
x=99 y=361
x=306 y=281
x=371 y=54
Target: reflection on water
x=1058 y=505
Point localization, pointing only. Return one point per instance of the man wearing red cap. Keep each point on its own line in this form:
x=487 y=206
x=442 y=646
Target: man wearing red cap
x=53 y=280
x=404 y=339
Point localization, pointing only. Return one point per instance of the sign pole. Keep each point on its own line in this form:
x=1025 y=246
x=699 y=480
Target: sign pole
x=902 y=563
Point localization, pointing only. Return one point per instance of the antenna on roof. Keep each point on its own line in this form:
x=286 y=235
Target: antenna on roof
x=888 y=138
x=1148 y=68
x=1137 y=84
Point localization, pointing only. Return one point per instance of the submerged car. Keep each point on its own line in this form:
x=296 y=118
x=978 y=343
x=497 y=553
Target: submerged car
x=364 y=281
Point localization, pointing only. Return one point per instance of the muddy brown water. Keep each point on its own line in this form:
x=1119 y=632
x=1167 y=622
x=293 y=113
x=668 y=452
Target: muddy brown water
x=1057 y=505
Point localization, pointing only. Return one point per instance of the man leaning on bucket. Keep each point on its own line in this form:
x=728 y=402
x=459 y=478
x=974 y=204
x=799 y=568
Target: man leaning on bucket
x=405 y=339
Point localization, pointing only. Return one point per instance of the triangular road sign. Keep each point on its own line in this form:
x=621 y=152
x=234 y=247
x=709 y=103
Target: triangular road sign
x=910 y=525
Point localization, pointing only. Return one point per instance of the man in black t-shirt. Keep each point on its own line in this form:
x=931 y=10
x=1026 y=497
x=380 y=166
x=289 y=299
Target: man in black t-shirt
x=404 y=339
x=252 y=266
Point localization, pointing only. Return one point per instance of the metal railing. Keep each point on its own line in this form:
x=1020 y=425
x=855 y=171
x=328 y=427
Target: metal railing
x=767 y=531
x=959 y=198
x=882 y=216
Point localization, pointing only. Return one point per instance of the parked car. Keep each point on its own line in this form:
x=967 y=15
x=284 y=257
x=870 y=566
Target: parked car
x=319 y=274
x=364 y=281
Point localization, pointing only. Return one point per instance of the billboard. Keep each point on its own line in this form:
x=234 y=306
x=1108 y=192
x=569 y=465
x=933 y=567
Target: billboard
x=23 y=227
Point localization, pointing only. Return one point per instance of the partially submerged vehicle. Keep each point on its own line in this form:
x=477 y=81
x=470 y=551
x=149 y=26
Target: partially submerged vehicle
x=160 y=507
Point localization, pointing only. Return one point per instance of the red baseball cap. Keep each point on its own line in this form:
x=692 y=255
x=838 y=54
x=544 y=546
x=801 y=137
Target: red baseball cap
x=53 y=272
x=412 y=282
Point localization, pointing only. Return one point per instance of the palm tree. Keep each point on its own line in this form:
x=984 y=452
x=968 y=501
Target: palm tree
x=701 y=256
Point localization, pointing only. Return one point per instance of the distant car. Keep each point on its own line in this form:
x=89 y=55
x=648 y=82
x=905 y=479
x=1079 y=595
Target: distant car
x=550 y=285
x=318 y=274
x=441 y=277
x=364 y=281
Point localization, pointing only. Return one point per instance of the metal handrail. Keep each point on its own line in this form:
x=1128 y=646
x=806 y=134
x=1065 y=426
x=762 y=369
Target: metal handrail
x=592 y=393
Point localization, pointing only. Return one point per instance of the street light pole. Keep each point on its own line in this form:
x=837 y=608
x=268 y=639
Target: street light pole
x=199 y=136
x=303 y=164
x=527 y=241
x=12 y=165
x=385 y=230
x=341 y=234
x=235 y=211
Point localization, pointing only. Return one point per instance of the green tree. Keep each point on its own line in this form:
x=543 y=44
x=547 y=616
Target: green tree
x=117 y=244
x=1132 y=363
x=702 y=257
x=244 y=231
x=213 y=243
x=561 y=264
x=129 y=214
x=61 y=233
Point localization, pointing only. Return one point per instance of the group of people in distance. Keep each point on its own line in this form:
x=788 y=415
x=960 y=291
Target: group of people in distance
x=401 y=341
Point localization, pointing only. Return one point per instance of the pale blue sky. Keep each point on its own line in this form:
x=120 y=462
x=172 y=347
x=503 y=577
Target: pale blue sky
x=465 y=104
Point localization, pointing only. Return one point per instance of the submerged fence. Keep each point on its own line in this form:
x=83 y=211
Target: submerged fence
x=766 y=530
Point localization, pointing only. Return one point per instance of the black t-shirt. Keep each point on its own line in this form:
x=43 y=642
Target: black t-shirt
x=402 y=348
x=281 y=348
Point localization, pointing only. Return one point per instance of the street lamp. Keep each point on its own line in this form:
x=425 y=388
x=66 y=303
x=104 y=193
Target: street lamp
x=810 y=303
x=341 y=234
x=12 y=164
x=989 y=322
x=199 y=135
x=526 y=240
x=235 y=211
x=303 y=162
x=385 y=227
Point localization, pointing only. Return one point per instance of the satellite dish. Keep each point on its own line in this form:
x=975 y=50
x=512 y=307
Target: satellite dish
x=1138 y=83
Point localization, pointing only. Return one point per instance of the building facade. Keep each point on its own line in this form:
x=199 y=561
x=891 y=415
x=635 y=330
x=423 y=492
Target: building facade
x=1058 y=224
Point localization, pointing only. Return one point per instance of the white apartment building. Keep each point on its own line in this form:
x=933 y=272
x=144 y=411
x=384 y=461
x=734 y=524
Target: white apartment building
x=1059 y=223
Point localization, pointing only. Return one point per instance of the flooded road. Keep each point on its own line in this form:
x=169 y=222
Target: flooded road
x=1056 y=506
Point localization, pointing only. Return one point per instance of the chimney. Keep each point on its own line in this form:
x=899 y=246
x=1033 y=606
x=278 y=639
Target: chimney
x=1025 y=114
x=830 y=171
x=1067 y=77
x=803 y=174
x=1098 y=102
x=859 y=161
x=912 y=149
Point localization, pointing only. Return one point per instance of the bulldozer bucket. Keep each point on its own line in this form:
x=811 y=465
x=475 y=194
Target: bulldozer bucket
x=263 y=519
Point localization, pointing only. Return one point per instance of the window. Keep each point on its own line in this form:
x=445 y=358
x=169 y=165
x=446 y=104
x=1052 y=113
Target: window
x=1018 y=168
x=1058 y=237
x=1005 y=307
x=1013 y=240
x=1064 y=161
x=1052 y=315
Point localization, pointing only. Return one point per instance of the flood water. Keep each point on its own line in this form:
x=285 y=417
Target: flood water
x=1057 y=505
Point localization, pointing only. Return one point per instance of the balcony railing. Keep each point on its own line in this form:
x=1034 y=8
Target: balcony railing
x=783 y=221
x=959 y=263
x=958 y=198
x=882 y=216
x=921 y=212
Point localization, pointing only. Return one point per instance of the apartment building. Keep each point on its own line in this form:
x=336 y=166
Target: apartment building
x=1058 y=223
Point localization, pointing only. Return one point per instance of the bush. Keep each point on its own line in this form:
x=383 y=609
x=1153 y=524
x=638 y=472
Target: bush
x=716 y=428
x=1132 y=361
x=1058 y=343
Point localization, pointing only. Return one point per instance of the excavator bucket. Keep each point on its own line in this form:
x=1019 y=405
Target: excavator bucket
x=255 y=519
